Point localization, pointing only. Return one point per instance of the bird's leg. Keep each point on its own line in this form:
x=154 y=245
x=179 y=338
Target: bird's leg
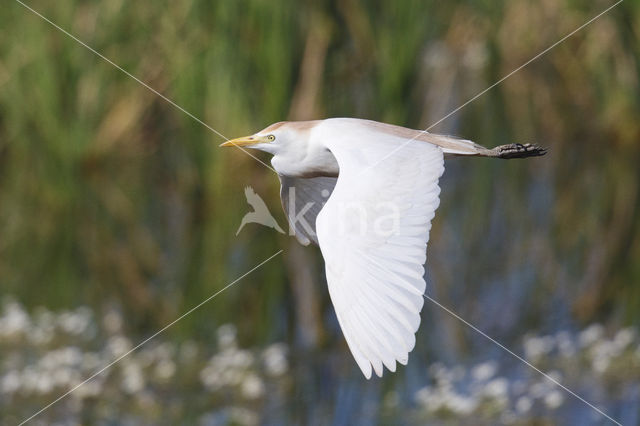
x=518 y=150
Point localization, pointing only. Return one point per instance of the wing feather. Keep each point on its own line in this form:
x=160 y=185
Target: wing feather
x=376 y=276
x=305 y=197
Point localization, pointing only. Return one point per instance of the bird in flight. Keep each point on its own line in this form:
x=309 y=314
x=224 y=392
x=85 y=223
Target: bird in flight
x=366 y=193
x=260 y=213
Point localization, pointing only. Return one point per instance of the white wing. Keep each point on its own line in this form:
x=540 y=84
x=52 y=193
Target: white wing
x=373 y=233
x=302 y=200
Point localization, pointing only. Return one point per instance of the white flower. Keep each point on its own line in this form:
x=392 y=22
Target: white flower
x=40 y=335
x=475 y=56
x=75 y=322
x=92 y=388
x=536 y=347
x=133 y=380
x=554 y=399
x=590 y=335
x=275 y=359
x=603 y=352
x=118 y=345
x=460 y=404
x=601 y=363
x=423 y=395
x=242 y=416
x=71 y=355
x=112 y=321
x=210 y=377
x=544 y=386
x=231 y=376
x=227 y=335
x=43 y=383
x=164 y=351
x=157 y=353
x=523 y=404
x=14 y=320
x=438 y=55
x=29 y=379
x=252 y=387
x=431 y=399
x=10 y=382
x=555 y=375
x=435 y=399
x=565 y=344
x=63 y=376
x=52 y=360
x=42 y=330
x=484 y=371
x=443 y=375
x=496 y=388
x=242 y=359
x=624 y=338
x=165 y=369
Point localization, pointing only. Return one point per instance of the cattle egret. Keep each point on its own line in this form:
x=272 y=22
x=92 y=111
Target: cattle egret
x=366 y=192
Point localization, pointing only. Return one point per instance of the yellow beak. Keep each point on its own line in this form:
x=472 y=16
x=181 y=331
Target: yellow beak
x=245 y=141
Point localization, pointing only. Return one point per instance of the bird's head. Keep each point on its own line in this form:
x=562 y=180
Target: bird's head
x=269 y=140
x=275 y=139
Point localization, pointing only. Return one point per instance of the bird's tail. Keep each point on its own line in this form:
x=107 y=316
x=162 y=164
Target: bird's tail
x=517 y=150
x=455 y=146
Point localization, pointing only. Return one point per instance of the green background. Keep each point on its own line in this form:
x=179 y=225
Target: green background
x=112 y=199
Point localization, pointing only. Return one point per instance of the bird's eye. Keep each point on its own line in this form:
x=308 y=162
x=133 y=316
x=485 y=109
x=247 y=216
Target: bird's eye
x=271 y=138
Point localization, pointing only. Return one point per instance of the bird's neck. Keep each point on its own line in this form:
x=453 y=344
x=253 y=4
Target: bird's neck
x=316 y=160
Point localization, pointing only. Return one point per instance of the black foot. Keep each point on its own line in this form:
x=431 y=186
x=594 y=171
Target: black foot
x=518 y=150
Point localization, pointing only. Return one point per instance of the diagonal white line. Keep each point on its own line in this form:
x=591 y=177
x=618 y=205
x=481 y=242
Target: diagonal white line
x=494 y=84
x=112 y=363
x=548 y=377
x=82 y=43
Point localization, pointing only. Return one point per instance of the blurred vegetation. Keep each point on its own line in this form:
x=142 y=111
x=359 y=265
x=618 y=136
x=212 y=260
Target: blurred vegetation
x=109 y=196
x=46 y=353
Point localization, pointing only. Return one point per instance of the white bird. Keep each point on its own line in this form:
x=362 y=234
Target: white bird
x=374 y=227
